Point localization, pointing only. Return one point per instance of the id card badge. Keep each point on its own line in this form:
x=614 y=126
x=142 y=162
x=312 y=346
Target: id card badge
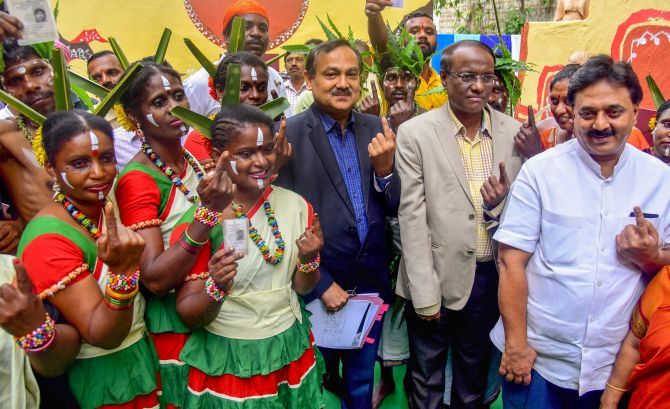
x=397 y=3
x=236 y=234
x=39 y=25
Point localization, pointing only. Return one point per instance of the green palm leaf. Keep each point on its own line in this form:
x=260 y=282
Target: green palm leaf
x=87 y=85
x=231 y=95
x=656 y=94
x=236 y=42
x=200 y=56
x=61 y=82
x=24 y=109
x=108 y=102
x=120 y=55
x=196 y=121
x=159 y=57
x=275 y=107
x=274 y=59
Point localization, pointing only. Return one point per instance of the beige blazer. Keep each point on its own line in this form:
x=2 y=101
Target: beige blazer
x=436 y=214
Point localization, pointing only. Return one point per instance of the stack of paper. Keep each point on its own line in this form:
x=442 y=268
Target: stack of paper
x=349 y=327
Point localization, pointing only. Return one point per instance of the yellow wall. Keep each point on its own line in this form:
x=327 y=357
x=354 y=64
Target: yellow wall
x=548 y=44
x=138 y=25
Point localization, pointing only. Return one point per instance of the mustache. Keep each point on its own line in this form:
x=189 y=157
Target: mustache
x=341 y=92
x=600 y=134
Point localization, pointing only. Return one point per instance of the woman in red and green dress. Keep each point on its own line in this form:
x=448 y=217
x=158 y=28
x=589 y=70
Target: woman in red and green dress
x=251 y=346
x=86 y=264
x=154 y=190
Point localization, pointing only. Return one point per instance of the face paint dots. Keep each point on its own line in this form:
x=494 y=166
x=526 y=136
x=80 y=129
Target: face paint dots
x=95 y=144
x=63 y=176
x=233 y=166
x=166 y=83
x=259 y=138
x=254 y=74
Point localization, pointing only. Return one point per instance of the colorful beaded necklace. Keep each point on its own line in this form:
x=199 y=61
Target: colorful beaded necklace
x=24 y=129
x=78 y=216
x=260 y=243
x=174 y=177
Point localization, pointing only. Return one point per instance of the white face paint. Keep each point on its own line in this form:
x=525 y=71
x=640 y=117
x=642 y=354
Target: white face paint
x=183 y=129
x=259 y=138
x=95 y=143
x=101 y=196
x=254 y=74
x=667 y=151
x=152 y=120
x=233 y=166
x=260 y=184
x=63 y=176
x=21 y=70
x=166 y=83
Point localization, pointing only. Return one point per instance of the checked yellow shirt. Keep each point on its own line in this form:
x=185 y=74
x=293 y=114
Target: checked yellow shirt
x=477 y=157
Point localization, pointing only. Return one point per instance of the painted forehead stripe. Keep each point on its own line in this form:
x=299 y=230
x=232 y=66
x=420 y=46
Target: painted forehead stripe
x=166 y=83
x=254 y=74
x=95 y=144
x=259 y=138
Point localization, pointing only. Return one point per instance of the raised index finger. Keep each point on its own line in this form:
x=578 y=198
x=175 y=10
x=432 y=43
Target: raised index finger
x=503 y=174
x=110 y=221
x=374 y=91
x=640 y=221
x=388 y=132
x=531 y=116
x=22 y=280
x=410 y=95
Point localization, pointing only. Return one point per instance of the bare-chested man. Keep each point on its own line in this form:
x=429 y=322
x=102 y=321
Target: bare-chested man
x=29 y=78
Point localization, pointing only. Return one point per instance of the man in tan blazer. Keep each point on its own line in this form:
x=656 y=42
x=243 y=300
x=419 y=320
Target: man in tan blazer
x=456 y=164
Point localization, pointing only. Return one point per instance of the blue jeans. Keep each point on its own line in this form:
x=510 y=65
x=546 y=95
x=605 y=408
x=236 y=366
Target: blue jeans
x=358 y=370
x=541 y=394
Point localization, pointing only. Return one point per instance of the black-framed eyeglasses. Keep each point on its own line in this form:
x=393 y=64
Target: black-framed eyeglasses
x=470 y=77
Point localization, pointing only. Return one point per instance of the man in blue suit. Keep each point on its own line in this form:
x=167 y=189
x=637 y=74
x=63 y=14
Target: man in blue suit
x=342 y=163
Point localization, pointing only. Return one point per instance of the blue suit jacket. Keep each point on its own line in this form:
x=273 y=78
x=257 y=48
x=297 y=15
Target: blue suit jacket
x=313 y=173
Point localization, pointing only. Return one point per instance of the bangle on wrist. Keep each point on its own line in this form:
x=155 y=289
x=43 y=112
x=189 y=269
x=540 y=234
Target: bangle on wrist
x=197 y=276
x=188 y=247
x=123 y=282
x=616 y=388
x=312 y=266
x=192 y=242
x=207 y=217
x=214 y=292
x=41 y=338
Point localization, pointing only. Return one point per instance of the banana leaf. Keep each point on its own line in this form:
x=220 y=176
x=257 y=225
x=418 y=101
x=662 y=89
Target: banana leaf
x=275 y=107
x=236 y=42
x=87 y=85
x=24 y=109
x=231 y=95
x=108 y=102
x=274 y=59
x=196 y=121
x=123 y=60
x=656 y=94
x=61 y=82
x=202 y=59
x=159 y=57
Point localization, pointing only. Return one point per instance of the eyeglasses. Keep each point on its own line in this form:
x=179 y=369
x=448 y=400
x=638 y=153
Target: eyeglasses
x=470 y=77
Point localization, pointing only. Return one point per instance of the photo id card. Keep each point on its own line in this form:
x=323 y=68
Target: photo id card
x=236 y=234
x=397 y=3
x=39 y=25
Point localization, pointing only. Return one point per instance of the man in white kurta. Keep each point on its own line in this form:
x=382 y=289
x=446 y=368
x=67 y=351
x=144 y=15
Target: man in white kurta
x=586 y=225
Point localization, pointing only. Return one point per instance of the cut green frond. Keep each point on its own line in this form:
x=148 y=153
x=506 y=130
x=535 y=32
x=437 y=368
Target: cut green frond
x=275 y=107
x=656 y=95
x=159 y=57
x=200 y=56
x=113 y=96
x=200 y=123
x=87 y=85
x=23 y=109
x=120 y=55
x=236 y=42
x=61 y=86
x=231 y=94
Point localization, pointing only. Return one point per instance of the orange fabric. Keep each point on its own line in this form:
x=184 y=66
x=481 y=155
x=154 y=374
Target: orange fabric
x=651 y=322
x=638 y=140
x=548 y=138
x=242 y=7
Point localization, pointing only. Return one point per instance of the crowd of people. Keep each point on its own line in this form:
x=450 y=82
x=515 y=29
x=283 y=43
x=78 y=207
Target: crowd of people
x=529 y=259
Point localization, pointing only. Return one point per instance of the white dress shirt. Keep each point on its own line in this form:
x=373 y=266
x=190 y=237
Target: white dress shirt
x=196 y=88
x=580 y=292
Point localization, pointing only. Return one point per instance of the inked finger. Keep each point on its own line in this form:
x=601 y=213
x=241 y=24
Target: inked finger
x=531 y=116
x=503 y=174
x=110 y=221
x=23 y=282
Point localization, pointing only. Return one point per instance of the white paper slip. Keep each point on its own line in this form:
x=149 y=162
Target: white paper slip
x=39 y=25
x=397 y=3
x=344 y=329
